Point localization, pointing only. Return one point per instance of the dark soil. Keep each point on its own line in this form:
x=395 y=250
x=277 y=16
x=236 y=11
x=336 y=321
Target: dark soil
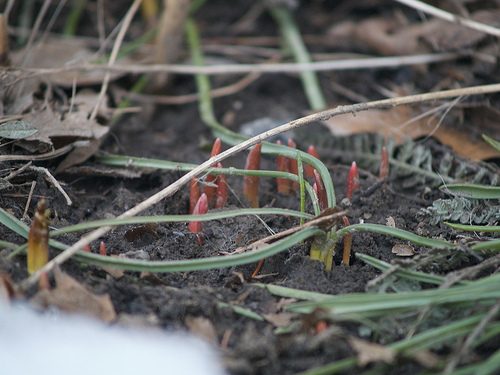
x=176 y=133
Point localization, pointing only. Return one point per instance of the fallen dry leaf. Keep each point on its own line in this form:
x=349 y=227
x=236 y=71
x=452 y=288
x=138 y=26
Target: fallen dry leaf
x=403 y=250
x=71 y=296
x=389 y=123
x=369 y=352
x=56 y=130
x=393 y=37
x=60 y=51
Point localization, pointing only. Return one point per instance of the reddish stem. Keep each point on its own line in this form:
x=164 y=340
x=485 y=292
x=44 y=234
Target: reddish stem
x=292 y=164
x=384 y=164
x=251 y=183
x=102 y=249
x=352 y=180
x=320 y=191
x=257 y=269
x=283 y=183
x=87 y=248
x=309 y=170
x=44 y=283
x=194 y=194
x=347 y=242
x=221 y=192
x=200 y=209
x=211 y=190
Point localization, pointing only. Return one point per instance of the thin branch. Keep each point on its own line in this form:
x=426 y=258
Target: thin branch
x=320 y=116
x=114 y=53
x=334 y=65
x=451 y=17
x=54 y=181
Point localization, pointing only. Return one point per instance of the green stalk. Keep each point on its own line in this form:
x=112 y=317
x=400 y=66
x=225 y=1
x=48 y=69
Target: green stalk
x=407 y=274
x=293 y=39
x=473 y=191
x=300 y=170
x=398 y=233
x=129 y=161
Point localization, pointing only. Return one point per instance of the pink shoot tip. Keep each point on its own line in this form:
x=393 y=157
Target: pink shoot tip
x=200 y=209
x=309 y=170
x=384 y=164
x=352 y=180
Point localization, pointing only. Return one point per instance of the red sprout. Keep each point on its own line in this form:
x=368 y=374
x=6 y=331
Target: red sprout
x=257 y=269
x=251 y=183
x=283 y=183
x=292 y=164
x=384 y=164
x=86 y=248
x=347 y=242
x=352 y=180
x=221 y=192
x=309 y=170
x=200 y=209
x=209 y=188
x=320 y=191
x=194 y=194
x=102 y=249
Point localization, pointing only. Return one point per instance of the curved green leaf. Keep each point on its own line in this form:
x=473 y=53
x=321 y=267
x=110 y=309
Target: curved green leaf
x=398 y=233
x=473 y=191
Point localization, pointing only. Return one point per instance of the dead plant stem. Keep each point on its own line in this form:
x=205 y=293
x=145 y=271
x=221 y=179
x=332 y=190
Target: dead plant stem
x=334 y=65
x=426 y=8
x=320 y=116
x=114 y=53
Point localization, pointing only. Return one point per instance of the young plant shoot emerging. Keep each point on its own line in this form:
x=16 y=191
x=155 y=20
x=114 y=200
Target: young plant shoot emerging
x=194 y=194
x=320 y=190
x=38 y=239
x=309 y=170
x=200 y=209
x=251 y=183
x=210 y=189
x=352 y=180
x=284 y=184
x=384 y=164
x=221 y=192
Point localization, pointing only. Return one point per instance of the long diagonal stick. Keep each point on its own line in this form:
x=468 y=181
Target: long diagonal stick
x=320 y=116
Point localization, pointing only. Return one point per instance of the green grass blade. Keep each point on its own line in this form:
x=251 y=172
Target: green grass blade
x=488 y=246
x=407 y=274
x=371 y=305
x=398 y=233
x=492 y=142
x=129 y=161
x=473 y=191
x=293 y=39
x=199 y=264
x=14 y=224
x=180 y=218
x=173 y=265
x=474 y=228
